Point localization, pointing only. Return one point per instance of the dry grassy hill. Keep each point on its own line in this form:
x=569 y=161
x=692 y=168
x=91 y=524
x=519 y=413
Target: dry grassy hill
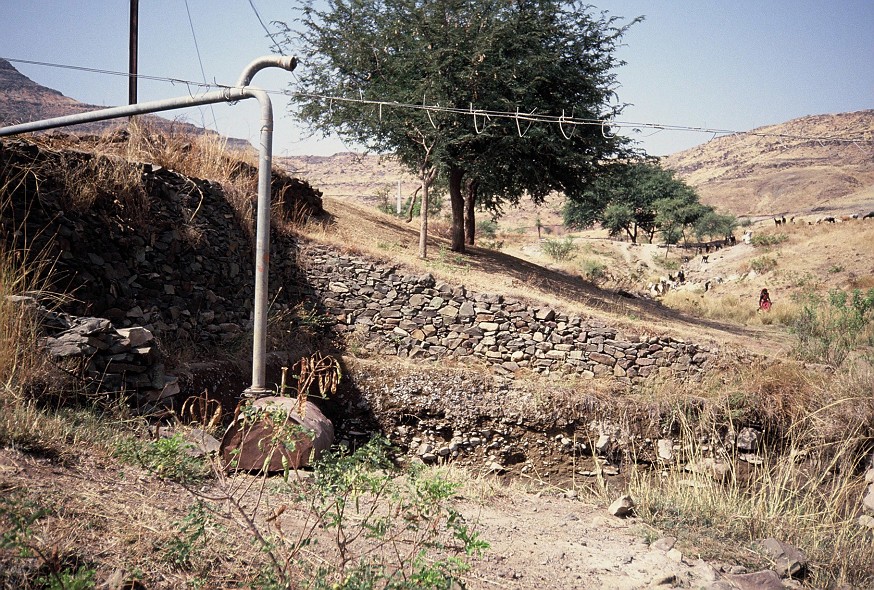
x=771 y=170
x=764 y=172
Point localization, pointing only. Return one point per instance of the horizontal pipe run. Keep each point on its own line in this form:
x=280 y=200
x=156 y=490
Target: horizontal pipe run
x=224 y=95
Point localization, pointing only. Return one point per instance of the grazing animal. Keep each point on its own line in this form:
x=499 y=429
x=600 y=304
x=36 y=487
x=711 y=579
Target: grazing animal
x=777 y=221
x=681 y=276
x=705 y=258
x=792 y=220
x=829 y=220
x=868 y=215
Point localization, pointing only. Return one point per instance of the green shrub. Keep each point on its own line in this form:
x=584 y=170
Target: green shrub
x=593 y=269
x=428 y=541
x=189 y=539
x=168 y=458
x=389 y=205
x=767 y=240
x=829 y=328
x=559 y=250
x=763 y=264
x=487 y=228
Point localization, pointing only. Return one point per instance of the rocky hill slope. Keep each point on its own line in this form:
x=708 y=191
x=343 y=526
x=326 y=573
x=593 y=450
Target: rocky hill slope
x=773 y=170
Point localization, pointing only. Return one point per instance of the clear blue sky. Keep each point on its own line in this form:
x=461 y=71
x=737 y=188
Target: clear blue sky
x=735 y=64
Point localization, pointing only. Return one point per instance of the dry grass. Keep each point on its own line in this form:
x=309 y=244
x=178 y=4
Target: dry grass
x=107 y=169
x=806 y=493
x=201 y=156
x=94 y=178
x=818 y=428
x=731 y=308
x=21 y=275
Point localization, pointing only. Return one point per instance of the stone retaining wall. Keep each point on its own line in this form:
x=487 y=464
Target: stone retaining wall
x=184 y=273
x=418 y=317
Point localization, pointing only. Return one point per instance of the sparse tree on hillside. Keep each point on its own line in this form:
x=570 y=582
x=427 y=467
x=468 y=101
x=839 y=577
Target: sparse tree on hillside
x=715 y=225
x=448 y=62
x=638 y=198
x=678 y=212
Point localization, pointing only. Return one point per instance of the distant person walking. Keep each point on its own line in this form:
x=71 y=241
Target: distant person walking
x=764 y=300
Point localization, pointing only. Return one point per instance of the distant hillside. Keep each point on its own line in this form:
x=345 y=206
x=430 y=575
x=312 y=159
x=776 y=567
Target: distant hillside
x=348 y=175
x=762 y=173
x=745 y=174
x=23 y=100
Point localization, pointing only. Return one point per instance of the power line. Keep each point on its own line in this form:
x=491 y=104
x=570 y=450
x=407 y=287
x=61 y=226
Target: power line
x=199 y=60
x=266 y=30
x=485 y=114
x=534 y=117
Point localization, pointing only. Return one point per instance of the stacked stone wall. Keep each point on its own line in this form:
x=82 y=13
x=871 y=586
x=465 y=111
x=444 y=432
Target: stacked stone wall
x=417 y=317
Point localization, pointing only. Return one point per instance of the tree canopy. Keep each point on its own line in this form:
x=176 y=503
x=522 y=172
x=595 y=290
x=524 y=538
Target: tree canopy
x=640 y=198
x=453 y=84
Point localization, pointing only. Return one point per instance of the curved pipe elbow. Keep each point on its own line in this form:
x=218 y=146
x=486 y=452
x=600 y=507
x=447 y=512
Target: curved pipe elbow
x=287 y=63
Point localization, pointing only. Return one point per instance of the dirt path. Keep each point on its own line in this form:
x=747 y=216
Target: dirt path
x=540 y=542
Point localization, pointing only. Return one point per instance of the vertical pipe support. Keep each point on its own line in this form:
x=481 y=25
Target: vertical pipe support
x=133 y=59
x=262 y=246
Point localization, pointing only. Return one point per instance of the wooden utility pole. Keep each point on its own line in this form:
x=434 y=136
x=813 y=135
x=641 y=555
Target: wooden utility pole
x=132 y=66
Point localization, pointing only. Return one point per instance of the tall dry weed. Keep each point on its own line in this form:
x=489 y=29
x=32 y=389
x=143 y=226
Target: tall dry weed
x=804 y=488
x=732 y=308
x=22 y=276
x=204 y=156
x=88 y=180
x=806 y=496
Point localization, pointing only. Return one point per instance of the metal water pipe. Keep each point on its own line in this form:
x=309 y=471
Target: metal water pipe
x=265 y=158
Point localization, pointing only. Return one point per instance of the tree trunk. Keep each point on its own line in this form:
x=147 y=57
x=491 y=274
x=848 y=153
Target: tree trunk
x=456 y=199
x=423 y=215
x=427 y=176
x=412 y=204
x=469 y=212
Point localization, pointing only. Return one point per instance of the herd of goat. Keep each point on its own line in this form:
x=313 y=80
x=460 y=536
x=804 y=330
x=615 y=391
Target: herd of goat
x=704 y=249
x=781 y=220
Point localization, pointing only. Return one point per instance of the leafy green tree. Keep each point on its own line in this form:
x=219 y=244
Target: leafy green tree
x=622 y=201
x=715 y=225
x=637 y=197
x=678 y=212
x=434 y=82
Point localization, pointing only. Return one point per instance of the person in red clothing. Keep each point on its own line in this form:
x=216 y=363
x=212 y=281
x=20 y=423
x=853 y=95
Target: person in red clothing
x=764 y=300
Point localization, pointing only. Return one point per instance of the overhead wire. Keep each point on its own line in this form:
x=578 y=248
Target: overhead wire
x=199 y=60
x=518 y=116
x=266 y=30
